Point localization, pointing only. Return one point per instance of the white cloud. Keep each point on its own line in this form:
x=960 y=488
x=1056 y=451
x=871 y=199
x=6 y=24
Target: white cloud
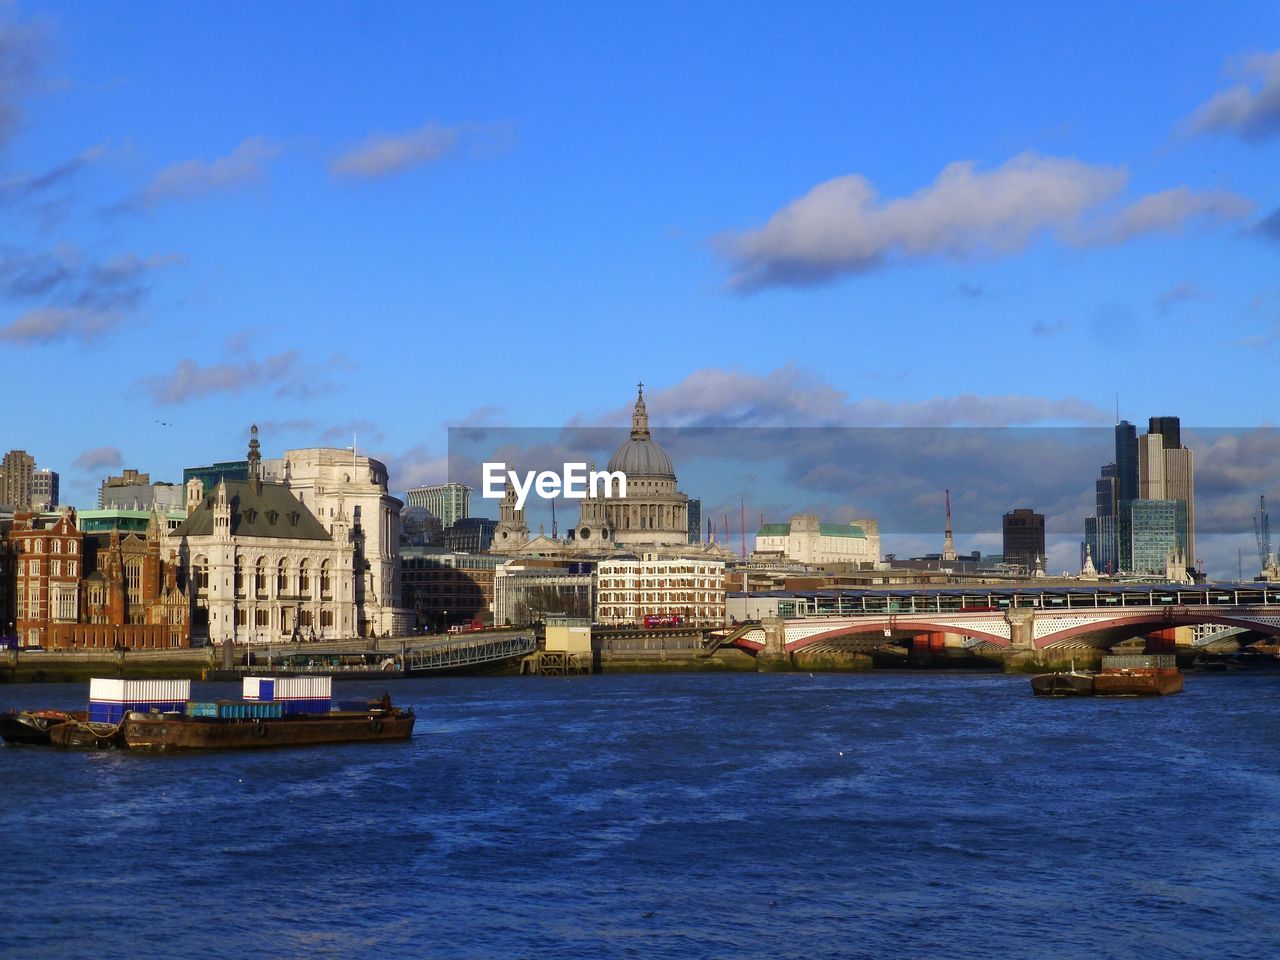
x=843 y=227
x=285 y=374
x=1250 y=109
x=790 y=396
x=383 y=154
x=99 y=458
x=244 y=165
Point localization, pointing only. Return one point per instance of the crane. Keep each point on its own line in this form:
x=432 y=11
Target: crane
x=1262 y=532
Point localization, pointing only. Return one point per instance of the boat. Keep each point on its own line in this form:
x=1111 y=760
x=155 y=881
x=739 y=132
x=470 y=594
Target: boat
x=1134 y=675
x=34 y=726
x=159 y=715
x=1065 y=683
x=176 y=731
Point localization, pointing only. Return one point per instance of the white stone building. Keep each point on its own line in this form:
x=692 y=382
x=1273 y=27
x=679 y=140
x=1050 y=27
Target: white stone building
x=331 y=482
x=805 y=539
x=628 y=590
x=260 y=567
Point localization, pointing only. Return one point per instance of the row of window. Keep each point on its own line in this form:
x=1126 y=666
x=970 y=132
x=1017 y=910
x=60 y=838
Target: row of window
x=37 y=546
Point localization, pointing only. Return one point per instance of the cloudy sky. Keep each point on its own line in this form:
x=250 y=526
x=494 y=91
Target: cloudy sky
x=385 y=218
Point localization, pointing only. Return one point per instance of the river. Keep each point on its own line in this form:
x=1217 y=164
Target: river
x=784 y=815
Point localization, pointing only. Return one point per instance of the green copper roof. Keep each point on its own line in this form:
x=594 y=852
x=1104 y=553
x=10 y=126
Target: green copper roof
x=826 y=529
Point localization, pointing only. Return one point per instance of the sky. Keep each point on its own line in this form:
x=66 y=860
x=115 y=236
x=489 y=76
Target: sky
x=383 y=219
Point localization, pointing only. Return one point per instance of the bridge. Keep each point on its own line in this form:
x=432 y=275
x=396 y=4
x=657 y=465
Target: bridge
x=1021 y=618
x=462 y=653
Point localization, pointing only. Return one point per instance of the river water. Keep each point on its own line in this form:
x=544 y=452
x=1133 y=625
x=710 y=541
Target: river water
x=786 y=815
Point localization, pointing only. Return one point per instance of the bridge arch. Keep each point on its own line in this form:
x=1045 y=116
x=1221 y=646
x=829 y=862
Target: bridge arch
x=896 y=625
x=1156 y=620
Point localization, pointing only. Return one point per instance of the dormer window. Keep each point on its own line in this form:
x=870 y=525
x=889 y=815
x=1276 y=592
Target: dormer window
x=272 y=516
x=250 y=515
x=294 y=517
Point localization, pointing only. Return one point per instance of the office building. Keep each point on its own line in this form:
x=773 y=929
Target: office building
x=695 y=521
x=44 y=490
x=447 y=502
x=1024 y=539
x=17 y=471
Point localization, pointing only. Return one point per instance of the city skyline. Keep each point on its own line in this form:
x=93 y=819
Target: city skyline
x=420 y=217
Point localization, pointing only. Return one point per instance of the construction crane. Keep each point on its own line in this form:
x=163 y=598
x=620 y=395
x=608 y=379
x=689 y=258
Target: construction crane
x=1262 y=532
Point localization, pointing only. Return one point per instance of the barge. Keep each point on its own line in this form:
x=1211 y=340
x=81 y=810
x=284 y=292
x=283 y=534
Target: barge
x=1141 y=675
x=158 y=715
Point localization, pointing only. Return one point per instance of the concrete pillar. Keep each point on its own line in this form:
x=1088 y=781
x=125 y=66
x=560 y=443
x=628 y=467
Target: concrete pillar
x=774 y=655
x=1021 y=622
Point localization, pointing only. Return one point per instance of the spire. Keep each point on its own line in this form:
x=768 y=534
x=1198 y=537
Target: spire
x=948 y=542
x=640 y=417
x=255 y=456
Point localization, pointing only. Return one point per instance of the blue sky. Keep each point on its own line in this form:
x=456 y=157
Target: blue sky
x=390 y=217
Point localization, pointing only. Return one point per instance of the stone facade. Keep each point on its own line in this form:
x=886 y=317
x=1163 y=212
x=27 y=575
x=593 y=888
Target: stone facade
x=261 y=567
x=630 y=590
x=805 y=539
x=330 y=482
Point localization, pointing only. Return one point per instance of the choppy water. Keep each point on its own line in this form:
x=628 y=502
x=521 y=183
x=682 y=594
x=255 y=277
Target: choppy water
x=672 y=816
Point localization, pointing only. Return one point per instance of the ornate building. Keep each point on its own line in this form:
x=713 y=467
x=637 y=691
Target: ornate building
x=95 y=590
x=329 y=481
x=653 y=517
x=260 y=567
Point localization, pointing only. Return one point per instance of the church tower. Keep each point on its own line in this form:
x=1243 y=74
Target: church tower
x=511 y=531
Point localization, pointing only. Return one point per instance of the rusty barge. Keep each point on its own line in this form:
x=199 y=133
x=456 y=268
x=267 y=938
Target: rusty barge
x=158 y=715
x=1140 y=675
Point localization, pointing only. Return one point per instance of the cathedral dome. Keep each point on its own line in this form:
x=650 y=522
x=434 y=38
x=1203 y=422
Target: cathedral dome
x=639 y=455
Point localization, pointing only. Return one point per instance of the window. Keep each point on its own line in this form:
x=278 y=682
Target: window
x=71 y=547
x=325 y=587
x=262 y=618
x=282 y=577
x=304 y=579
x=260 y=577
x=57 y=546
x=55 y=567
x=71 y=568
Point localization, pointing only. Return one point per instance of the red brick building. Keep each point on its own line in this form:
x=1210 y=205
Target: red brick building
x=98 y=590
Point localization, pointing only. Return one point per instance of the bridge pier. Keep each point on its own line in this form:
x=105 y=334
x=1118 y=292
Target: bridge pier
x=774 y=657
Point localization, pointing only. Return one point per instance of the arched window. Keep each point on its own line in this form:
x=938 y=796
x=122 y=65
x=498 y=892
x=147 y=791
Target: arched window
x=71 y=547
x=304 y=578
x=260 y=577
x=325 y=586
x=239 y=584
x=57 y=546
x=282 y=577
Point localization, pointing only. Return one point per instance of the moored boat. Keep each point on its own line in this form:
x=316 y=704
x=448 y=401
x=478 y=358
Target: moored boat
x=173 y=731
x=275 y=712
x=1139 y=675
x=34 y=726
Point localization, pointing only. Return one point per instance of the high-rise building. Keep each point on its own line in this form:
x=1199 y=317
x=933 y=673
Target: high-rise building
x=1106 y=491
x=1101 y=536
x=1126 y=461
x=447 y=502
x=695 y=521
x=44 y=489
x=1150 y=535
x=1024 y=538
x=1170 y=430
x=16 y=475
x=1166 y=471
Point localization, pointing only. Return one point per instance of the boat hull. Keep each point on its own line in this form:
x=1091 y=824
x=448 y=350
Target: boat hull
x=160 y=732
x=33 y=726
x=1155 y=683
x=1062 y=685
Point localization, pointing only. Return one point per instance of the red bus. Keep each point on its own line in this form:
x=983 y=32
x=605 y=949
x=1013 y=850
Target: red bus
x=664 y=620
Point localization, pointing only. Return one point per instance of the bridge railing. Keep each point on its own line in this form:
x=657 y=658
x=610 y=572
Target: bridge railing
x=1119 y=597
